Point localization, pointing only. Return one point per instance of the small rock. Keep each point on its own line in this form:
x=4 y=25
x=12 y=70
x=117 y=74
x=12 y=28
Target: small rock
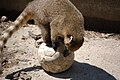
x=21 y=76
x=34 y=36
x=86 y=39
x=25 y=76
x=3 y=19
x=87 y=59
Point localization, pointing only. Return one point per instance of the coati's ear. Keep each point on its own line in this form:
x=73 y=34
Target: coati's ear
x=68 y=39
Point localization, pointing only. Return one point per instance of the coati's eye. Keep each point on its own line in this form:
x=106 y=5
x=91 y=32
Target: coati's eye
x=59 y=38
x=69 y=36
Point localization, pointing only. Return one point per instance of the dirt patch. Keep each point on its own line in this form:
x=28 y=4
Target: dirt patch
x=97 y=59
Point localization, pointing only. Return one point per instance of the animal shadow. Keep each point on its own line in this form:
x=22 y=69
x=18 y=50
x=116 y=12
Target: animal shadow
x=84 y=71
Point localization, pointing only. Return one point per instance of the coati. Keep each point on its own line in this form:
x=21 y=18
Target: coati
x=59 y=20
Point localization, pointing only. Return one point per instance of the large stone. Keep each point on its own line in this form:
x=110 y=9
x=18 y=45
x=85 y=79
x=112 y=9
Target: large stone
x=52 y=61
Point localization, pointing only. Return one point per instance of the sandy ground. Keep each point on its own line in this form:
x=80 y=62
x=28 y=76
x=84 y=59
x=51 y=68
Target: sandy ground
x=97 y=59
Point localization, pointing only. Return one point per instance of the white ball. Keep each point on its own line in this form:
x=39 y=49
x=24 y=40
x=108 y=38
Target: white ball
x=52 y=61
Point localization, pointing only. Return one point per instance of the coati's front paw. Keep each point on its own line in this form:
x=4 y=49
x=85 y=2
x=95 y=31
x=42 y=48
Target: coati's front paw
x=56 y=42
x=55 y=45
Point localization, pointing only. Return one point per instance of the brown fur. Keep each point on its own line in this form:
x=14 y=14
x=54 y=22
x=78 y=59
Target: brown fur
x=56 y=18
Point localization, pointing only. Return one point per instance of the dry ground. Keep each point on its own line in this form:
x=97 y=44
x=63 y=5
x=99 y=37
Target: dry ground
x=97 y=59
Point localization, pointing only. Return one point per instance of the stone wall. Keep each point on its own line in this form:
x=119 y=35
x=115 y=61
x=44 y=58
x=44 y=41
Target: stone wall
x=17 y=5
x=106 y=9
x=99 y=14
